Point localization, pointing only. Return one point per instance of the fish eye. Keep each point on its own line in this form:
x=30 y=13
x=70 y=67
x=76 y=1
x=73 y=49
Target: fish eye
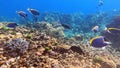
x=105 y=39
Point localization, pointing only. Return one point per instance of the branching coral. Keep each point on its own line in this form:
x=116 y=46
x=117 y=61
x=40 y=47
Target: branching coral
x=17 y=46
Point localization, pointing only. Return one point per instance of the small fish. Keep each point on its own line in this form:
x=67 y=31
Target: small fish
x=112 y=30
x=95 y=29
x=22 y=14
x=12 y=25
x=33 y=11
x=99 y=42
x=100 y=3
x=66 y=26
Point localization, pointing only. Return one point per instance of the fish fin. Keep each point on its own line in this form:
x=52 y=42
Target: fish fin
x=28 y=9
x=103 y=48
x=108 y=43
x=105 y=29
x=108 y=31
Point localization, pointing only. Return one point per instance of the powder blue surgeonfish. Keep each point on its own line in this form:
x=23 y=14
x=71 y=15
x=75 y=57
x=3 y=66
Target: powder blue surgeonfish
x=99 y=42
x=112 y=30
x=12 y=25
x=22 y=14
x=33 y=11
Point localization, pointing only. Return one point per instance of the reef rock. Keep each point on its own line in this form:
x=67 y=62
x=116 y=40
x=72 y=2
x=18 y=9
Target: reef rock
x=118 y=65
x=108 y=64
x=62 y=48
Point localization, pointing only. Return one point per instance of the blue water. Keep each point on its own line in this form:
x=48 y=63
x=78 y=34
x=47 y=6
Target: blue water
x=8 y=8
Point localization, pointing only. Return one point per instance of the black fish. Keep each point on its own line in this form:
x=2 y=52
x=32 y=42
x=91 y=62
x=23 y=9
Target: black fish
x=66 y=26
x=12 y=25
x=33 y=11
x=22 y=14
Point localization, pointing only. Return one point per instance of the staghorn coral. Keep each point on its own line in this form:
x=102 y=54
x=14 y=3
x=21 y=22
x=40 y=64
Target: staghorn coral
x=17 y=46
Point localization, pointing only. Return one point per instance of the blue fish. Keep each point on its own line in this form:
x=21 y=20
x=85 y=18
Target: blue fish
x=22 y=14
x=113 y=30
x=12 y=25
x=99 y=42
x=33 y=11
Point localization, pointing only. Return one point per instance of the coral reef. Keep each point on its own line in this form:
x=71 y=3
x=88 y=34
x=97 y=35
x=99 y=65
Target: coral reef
x=46 y=45
x=46 y=51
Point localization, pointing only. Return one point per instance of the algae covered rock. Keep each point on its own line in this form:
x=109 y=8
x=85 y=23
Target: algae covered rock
x=104 y=62
x=118 y=65
x=62 y=48
x=98 y=59
x=108 y=64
